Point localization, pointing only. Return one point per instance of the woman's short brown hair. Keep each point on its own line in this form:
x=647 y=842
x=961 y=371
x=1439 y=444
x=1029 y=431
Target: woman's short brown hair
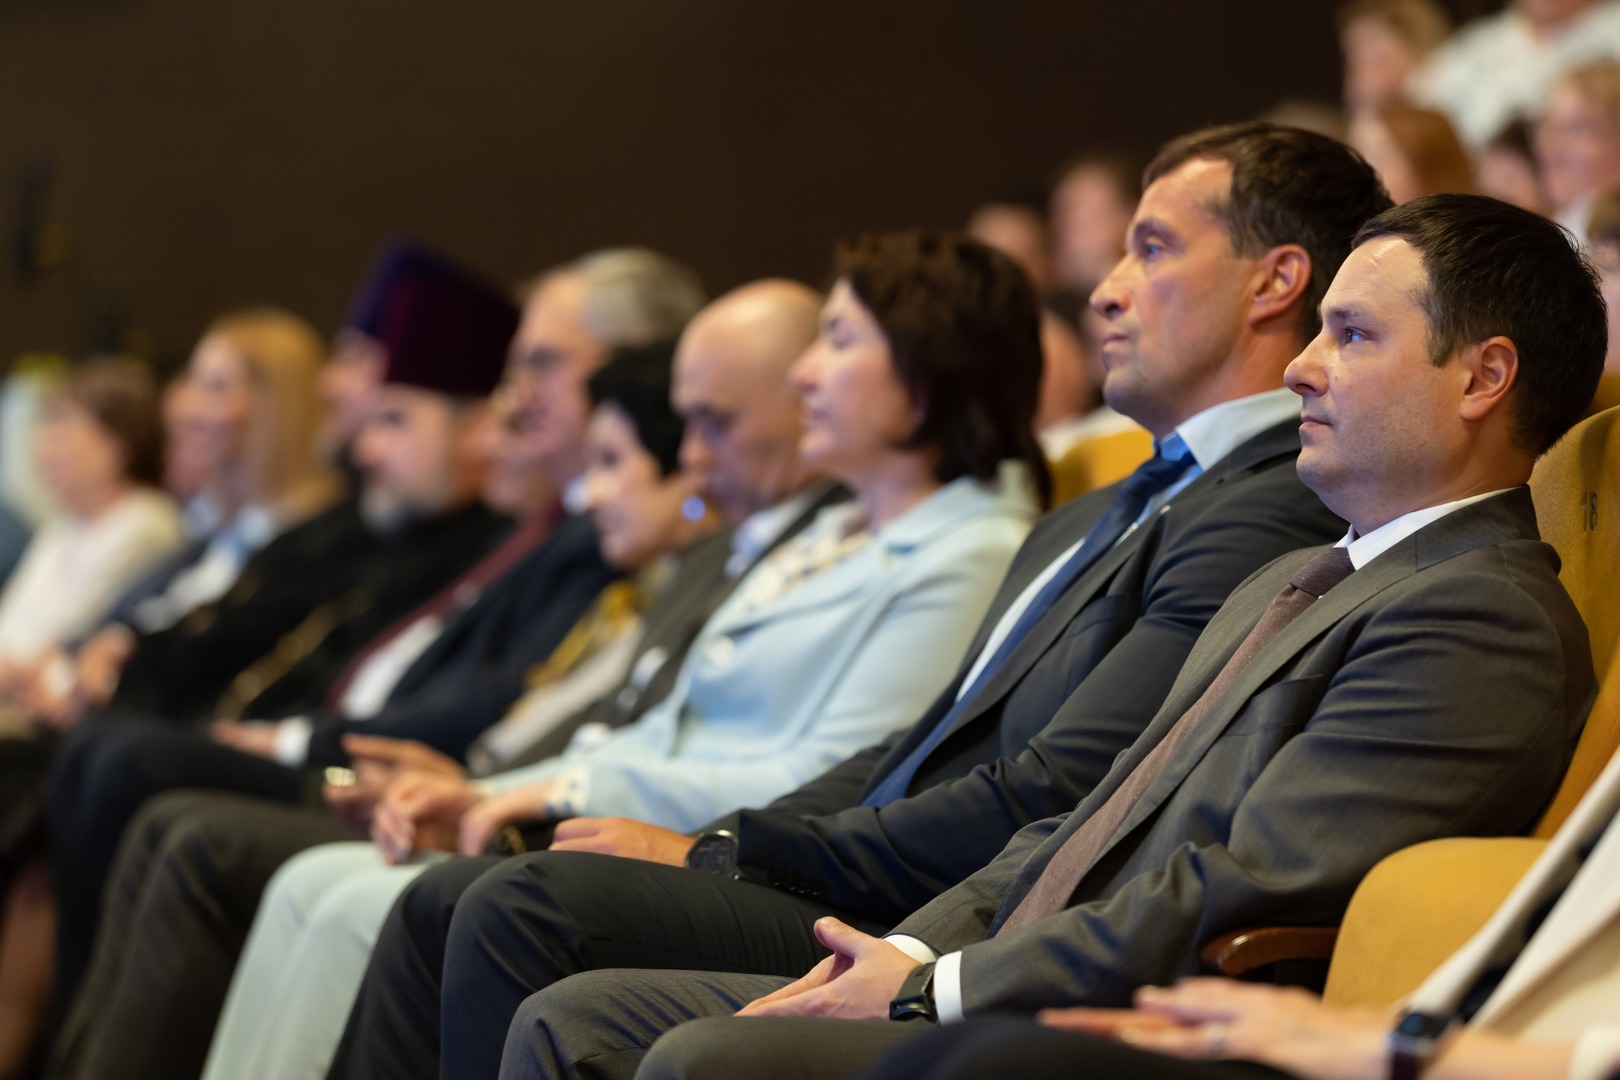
x=1430 y=145
x=964 y=329
x=121 y=395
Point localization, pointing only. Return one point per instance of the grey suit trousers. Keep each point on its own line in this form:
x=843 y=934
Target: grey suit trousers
x=560 y=1033
x=600 y=1025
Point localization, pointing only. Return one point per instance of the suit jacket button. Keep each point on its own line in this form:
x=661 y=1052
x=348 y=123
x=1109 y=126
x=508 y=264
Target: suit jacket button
x=721 y=652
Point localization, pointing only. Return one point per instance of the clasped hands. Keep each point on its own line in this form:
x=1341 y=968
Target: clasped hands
x=1198 y=1018
x=411 y=798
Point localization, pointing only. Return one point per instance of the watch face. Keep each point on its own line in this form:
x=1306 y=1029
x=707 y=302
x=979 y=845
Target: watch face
x=1422 y=1026
x=714 y=853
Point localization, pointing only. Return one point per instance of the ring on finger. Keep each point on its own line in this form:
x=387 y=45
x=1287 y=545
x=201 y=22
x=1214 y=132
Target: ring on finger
x=1215 y=1038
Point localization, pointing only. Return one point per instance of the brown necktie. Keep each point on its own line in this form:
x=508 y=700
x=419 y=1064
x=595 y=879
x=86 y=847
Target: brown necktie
x=1051 y=891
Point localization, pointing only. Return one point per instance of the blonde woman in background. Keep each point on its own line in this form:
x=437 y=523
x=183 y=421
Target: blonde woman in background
x=244 y=417
x=242 y=422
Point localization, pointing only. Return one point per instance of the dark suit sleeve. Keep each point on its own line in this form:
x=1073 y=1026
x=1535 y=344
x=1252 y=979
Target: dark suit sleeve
x=886 y=863
x=839 y=786
x=1451 y=709
x=471 y=690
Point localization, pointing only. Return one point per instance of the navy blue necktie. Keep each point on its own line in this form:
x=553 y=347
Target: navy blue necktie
x=1150 y=478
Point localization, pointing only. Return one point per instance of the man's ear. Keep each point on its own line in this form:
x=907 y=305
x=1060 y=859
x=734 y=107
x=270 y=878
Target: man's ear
x=1280 y=279
x=1491 y=367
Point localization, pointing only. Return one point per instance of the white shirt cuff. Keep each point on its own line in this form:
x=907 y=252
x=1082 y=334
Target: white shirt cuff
x=948 y=988
x=292 y=740
x=947 y=975
x=1597 y=1055
x=569 y=791
x=913 y=948
x=57 y=675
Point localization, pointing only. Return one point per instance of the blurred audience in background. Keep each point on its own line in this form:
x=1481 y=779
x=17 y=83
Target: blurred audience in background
x=1578 y=141
x=1017 y=228
x=1498 y=69
x=1507 y=169
x=1603 y=246
x=100 y=455
x=1384 y=43
x=1415 y=151
x=241 y=423
x=1092 y=203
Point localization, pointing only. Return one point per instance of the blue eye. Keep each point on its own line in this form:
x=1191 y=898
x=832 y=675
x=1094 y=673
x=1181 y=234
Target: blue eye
x=1150 y=248
x=1350 y=335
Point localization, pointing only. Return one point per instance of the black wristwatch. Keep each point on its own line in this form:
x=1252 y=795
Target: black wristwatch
x=1414 y=1042
x=916 y=998
x=714 y=853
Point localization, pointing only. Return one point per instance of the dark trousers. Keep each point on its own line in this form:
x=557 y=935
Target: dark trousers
x=106 y=772
x=995 y=1049
x=469 y=940
x=179 y=904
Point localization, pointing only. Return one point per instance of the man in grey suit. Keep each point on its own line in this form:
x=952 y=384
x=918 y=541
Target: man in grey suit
x=1427 y=676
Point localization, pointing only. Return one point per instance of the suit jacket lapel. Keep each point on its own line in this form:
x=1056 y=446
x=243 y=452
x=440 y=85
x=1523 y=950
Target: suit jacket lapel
x=1505 y=517
x=1277 y=441
x=1068 y=523
x=1052 y=625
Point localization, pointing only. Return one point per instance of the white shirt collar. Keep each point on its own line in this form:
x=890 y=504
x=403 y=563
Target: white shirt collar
x=1364 y=549
x=1220 y=429
x=573 y=495
x=760 y=529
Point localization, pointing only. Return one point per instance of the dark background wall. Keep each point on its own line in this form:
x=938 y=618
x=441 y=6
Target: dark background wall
x=168 y=159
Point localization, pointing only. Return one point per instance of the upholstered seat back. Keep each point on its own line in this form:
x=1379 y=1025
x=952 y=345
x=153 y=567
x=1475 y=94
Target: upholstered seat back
x=1578 y=511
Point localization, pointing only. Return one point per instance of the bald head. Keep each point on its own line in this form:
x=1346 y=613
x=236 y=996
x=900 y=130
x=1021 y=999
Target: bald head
x=731 y=385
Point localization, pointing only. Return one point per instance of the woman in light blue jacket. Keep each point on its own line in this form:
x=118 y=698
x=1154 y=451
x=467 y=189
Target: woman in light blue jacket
x=919 y=395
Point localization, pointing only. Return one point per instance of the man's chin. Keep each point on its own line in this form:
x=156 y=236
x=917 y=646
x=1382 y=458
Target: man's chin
x=1316 y=473
x=1123 y=393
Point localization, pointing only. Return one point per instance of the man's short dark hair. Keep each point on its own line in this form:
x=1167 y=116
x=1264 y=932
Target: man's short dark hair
x=1289 y=186
x=1495 y=269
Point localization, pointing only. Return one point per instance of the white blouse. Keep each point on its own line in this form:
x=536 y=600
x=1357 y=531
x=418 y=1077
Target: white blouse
x=73 y=572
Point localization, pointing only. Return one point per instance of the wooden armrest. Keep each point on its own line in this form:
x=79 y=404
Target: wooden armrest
x=1242 y=951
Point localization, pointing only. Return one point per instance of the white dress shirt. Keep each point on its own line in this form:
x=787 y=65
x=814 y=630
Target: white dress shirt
x=761 y=529
x=73 y=572
x=214 y=572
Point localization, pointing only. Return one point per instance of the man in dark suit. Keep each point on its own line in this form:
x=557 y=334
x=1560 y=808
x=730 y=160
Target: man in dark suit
x=188 y=880
x=1426 y=676
x=1073 y=659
